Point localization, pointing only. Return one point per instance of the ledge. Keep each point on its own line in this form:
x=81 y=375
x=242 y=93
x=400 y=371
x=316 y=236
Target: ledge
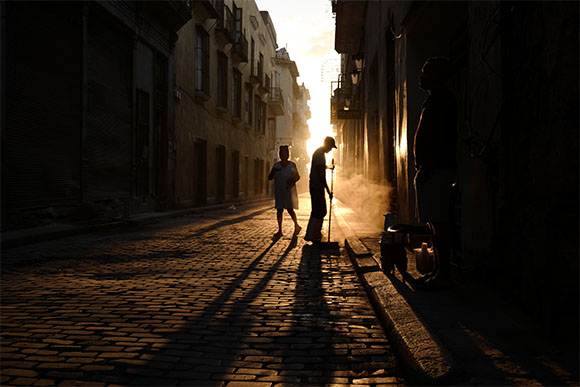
x=201 y=96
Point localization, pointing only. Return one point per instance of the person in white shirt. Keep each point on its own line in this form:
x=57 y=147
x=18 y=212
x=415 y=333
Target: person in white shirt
x=285 y=175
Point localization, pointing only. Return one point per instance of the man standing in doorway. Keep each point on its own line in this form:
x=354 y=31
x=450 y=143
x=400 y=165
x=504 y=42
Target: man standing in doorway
x=435 y=161
x=317 y=187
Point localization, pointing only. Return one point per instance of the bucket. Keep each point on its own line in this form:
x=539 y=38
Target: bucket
x=424 y=259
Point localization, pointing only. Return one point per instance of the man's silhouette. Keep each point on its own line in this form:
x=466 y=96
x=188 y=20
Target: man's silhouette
x=317 y=187
x=435 y=159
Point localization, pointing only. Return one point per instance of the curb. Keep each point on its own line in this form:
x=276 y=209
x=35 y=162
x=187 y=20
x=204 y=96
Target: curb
x=424 y=358
x=55 y=231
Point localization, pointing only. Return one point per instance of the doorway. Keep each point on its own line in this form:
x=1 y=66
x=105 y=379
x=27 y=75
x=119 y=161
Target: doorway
x=200 y=172
x=220 y=155
x=235 y=174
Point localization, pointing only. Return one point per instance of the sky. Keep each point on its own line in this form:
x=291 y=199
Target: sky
x=306 y=29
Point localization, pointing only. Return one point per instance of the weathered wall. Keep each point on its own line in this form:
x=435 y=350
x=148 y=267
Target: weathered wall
x=537 y=208
x=516 y=83
x=72 y=71
x=197 y=120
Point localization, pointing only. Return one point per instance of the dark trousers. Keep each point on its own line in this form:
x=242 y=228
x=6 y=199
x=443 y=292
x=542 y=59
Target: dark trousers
x=318 y=201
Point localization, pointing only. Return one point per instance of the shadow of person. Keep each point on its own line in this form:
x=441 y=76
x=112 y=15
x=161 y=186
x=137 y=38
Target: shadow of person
x=214 y=343
x=308 y=346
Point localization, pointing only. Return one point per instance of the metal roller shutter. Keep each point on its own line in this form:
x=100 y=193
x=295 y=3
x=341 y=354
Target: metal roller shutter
x=43 y=104
x=109 y=118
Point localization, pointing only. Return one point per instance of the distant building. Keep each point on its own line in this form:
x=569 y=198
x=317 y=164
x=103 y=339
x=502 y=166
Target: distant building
x=516 y=83
x=87 y=108
x=291 y=127
x=301 y=134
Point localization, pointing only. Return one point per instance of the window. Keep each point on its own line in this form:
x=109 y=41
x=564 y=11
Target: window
x=202 y=61
x=257 y=114
x=200 y=172
x=260 y=113
x=261 y=68
x=248 y=104
x=237 y=23
x=263 y=107
x=237 y=94
x=222 y=81
x=220 y=155
x=272 y=127
x=276 y=79
x=252 y=58
x=235 y=174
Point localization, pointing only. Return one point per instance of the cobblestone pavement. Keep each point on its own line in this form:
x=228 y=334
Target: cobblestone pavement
x=205 y=300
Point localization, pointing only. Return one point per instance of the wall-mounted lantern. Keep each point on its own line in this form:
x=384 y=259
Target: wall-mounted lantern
x=357 y=72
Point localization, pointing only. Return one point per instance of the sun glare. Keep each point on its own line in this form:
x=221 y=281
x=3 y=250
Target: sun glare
x=318 y=131
x=319 y=124
x=308 y=37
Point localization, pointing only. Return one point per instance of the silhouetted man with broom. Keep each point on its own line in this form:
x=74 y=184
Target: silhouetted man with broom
x=317 y=187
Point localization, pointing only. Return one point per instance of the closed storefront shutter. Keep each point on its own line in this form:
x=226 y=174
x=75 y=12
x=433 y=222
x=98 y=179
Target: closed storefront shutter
x=109 y=115
x=43 y=104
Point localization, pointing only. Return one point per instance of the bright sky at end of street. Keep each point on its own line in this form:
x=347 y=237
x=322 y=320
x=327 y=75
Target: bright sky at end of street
x=306 y=29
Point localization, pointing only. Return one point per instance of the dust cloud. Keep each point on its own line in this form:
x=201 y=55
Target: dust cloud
x=369 y=200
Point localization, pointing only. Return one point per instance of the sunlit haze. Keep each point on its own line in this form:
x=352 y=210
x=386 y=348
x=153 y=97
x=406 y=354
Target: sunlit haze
x=306 y=29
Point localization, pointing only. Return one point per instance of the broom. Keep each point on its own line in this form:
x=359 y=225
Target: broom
x=329 y=244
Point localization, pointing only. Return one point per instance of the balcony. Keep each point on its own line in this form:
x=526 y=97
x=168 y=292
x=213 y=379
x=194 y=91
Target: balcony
x=345 y=101
x=240 y=49
x=207 y=9
x=224 y=29
x=256 y=72
x=174 y=13
x=212 y=7
x=264 y=87
x=350 y=22
x=276 y=101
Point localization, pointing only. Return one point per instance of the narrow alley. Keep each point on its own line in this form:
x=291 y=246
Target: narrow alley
x=210 y=300
x=149 y=147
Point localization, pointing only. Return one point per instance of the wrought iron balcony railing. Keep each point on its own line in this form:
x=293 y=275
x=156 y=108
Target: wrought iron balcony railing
x=225 y=24
x=344 y=101
x=257 y=72
x=276 y=101
x=240 y=48
x=264 y=87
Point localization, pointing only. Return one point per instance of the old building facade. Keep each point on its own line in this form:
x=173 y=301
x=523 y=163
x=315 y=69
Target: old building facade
x=516 y=83
x=225 y=103
x=87 y=108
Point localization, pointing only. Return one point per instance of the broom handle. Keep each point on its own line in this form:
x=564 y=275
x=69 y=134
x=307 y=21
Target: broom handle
x=330 y=204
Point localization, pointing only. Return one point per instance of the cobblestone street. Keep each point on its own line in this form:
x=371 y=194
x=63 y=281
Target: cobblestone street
x=197 y=300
